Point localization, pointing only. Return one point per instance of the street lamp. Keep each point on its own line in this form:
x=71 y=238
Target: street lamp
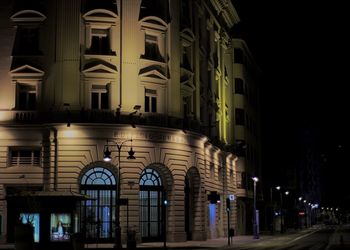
x=281 y=207
x=107 y=158
x=255 y=226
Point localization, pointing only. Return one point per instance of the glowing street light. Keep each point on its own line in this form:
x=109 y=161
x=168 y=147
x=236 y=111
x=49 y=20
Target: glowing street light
x=255 y=226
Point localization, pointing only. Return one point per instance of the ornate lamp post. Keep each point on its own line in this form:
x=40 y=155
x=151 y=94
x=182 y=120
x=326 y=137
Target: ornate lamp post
x=107 y=158
x=255 y=226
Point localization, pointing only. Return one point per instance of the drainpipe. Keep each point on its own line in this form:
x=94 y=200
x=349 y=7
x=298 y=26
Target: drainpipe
x=120 y=54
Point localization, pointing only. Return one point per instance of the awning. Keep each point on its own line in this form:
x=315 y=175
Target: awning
x=53 y=194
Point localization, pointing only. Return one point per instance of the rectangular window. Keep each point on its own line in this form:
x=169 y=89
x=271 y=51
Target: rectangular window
x=20 y=157
x=26 y=97
x=212 y=170
x=150 y=100
x=238 y=55
x=100 y=42
x=244 y=180
x=239 y=88
x=220 y=174
x=27 y=41
x=239 y=116
x=99 y=97
x=151 y=48
x=239 y=180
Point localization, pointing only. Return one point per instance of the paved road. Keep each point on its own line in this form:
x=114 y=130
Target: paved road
x=328 y=238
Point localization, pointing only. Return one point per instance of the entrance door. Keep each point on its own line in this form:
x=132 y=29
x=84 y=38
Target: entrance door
x=151 y=209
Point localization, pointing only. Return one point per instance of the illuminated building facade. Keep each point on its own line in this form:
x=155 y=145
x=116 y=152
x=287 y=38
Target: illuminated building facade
x=79 y=76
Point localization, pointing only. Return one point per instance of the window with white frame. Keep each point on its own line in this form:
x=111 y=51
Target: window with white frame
x=100 y=41
x=150 y=100
x=26 y=96
x=25 y=156
x=152 y=48
x=99 y=97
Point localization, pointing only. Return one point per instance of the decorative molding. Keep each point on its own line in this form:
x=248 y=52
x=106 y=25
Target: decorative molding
x=28 y=16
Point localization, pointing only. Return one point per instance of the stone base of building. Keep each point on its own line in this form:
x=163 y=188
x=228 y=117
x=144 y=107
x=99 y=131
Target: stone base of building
x=176 y=236
x=199 y=235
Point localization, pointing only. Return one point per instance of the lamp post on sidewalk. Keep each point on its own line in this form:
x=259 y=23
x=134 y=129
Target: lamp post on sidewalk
x=255 y=226
x=281 y=206
x=107 y=158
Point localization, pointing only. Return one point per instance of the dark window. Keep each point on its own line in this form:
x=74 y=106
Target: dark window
x=238 y=55
x=244 y=180
x=27 y=41
x=94 y=100
x=99 y=97
x=20 y=157
x=239 y=87
x=146 y=103
x=26 y=97
x=154 y=104
x=104 y=101
x=151 y=48
x=240 y=116
x=150 y=100
x=100 y=42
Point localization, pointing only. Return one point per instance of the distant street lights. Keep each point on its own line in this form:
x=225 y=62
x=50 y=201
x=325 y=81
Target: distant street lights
x=255 y=226
x=281 y=206
x=107 y=158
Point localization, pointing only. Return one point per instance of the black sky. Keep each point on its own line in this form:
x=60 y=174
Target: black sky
x=302 y=48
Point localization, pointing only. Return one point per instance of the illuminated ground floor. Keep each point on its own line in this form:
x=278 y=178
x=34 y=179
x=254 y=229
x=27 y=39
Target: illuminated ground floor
x=55 y=178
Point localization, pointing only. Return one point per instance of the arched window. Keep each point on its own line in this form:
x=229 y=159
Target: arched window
x=151 y=209
x=98 y=213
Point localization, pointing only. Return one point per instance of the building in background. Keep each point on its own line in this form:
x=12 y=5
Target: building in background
x=164 y=81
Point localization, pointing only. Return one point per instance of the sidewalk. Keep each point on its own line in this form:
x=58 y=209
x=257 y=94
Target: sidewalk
x=238 y=241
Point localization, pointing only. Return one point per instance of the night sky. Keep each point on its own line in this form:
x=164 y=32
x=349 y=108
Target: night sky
x=302 y=48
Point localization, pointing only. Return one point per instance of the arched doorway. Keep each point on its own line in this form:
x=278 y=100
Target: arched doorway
x=151 y=205
x=98 y=213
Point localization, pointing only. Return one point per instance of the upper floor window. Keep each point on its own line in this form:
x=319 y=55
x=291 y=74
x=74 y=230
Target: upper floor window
x=152 y=48
x=238 y=55
x=100 y=42
x=212 y=170
x=25 y=156
x=28 y=20
x=187 y=105
x=240 y=116
x=27 y=41
x=26 y=97
x=150 y=100
x=101 y=23
x=99 y=97
x=239 y=87
x=239 y=183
